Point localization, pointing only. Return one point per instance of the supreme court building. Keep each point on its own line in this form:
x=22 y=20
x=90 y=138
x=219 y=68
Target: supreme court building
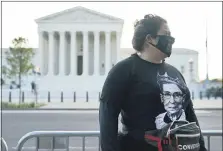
x=78 y=41
x=77 y=46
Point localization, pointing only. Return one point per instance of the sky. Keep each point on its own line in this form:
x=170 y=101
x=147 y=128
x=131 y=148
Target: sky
x=187 y=22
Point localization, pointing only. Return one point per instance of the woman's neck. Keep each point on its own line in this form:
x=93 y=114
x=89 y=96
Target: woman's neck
x=149 y=57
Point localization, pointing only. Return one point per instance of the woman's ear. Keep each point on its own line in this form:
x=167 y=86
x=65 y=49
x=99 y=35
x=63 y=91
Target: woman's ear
x=149 y=38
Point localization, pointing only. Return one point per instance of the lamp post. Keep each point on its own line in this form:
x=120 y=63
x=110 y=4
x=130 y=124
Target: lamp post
x=191 y=70
x=206 y=82
x=206 y=45
x=191 y=64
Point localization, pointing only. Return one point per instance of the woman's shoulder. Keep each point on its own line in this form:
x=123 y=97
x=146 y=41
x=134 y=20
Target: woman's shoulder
x=122 y=70
x=124 y=64
x=171 y=67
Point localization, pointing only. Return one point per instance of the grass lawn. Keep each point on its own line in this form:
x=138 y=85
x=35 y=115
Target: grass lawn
x=7 y=105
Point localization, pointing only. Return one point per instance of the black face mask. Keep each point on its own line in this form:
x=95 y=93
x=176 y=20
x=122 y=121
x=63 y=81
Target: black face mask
x=165 y=44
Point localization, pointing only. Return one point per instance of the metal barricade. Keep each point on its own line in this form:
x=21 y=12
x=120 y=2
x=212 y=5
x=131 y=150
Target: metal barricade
x=4 y=146
x=53 y=134
x=209 y=134
x=83 y=135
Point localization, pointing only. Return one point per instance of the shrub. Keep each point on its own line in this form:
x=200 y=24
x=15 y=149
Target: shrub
x=7 y=105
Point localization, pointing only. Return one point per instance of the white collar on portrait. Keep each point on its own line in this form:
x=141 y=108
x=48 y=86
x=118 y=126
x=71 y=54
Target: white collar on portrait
x=160 y=123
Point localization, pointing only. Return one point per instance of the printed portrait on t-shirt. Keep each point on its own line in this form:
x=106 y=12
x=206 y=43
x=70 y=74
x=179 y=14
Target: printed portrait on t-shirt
x=173 y=93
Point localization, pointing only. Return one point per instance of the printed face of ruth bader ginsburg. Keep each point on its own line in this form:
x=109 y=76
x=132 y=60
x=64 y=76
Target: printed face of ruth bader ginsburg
x=172 y=98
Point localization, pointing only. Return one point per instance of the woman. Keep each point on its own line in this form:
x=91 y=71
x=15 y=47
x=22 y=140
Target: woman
x=135 y=87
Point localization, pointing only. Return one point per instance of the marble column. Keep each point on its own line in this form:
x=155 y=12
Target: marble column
x=85 y=53
x=118 y=40
x=107 y=52
x=96 y=53
x=51 y=53
x=73 y=55
x=61 y=54
x=41 y=52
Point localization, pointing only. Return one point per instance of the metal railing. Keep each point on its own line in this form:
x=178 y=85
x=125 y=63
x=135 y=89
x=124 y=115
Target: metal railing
x=4 y=146
x=83 y=135
x=53 y=134
x=209 y=134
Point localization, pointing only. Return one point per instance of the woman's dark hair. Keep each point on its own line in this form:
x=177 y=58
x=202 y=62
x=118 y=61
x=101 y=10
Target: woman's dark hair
x=149 y=25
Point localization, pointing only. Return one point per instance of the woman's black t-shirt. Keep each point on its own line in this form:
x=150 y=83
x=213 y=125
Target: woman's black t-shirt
x=147 y=95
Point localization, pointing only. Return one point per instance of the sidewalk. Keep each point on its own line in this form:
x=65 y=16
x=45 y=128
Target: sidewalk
x=208 y=104
x=94 y=105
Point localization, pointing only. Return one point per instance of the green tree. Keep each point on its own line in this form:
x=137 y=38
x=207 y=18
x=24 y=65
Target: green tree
x=4 y=72
x=4 y=75
x=19 y=60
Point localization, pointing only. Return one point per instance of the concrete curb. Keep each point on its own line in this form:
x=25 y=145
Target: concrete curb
x=210 y=109
x=52 y=109
x=88 y=109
